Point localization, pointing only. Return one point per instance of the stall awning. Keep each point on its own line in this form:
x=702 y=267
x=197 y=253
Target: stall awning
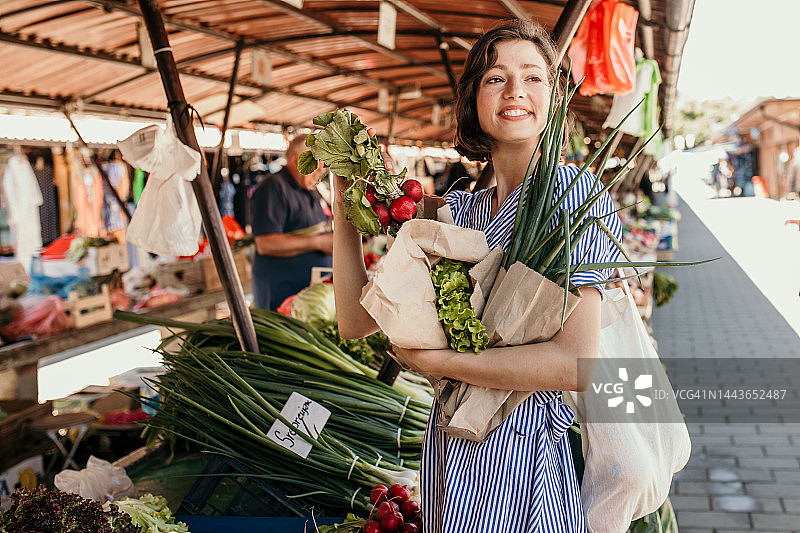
x=300 y=58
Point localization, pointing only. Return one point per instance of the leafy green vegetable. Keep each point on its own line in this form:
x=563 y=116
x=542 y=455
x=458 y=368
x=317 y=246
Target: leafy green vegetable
x=306 y=163
x=46 y=510
x=453 y=289
x=351 y=524
x=362 y=350
x=315 y=305
x=664 y=287
x=363 y=217
x=346 y=147
x=151 y=513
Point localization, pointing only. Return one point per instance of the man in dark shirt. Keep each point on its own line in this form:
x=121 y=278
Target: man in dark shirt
x=292 y=231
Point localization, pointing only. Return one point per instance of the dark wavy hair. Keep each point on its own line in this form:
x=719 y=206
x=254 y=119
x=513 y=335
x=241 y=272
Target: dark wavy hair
x=471 y=141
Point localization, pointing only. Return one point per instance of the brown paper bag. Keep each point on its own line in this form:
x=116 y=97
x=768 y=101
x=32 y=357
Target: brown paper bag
x=523 y=307
x=400 y=297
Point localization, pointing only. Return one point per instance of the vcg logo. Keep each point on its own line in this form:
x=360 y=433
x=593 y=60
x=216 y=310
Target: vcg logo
x=644 y=381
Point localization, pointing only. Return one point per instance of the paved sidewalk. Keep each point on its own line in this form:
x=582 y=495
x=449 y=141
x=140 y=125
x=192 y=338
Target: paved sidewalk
x=742 y=476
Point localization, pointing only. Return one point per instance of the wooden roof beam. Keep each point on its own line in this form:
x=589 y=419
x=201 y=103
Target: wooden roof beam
x=369 y=43
x=425 y=19
x=248 y=43
x=111 y=58
x=514 y=7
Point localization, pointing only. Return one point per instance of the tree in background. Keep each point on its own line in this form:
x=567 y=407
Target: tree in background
x=706 y=119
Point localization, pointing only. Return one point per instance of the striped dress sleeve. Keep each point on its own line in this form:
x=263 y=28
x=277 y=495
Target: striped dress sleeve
x=595 y=246
x=457 y=200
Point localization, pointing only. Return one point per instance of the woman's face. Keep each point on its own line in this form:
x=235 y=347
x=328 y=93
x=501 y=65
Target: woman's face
x=514 y=95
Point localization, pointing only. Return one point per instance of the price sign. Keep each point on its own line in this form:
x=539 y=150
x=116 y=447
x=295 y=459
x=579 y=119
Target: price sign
x=305 y=415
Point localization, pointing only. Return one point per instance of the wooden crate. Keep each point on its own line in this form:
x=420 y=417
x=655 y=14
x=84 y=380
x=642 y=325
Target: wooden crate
x=243 y=267
x=111 y=257
x=89 y=310
x=184 y=273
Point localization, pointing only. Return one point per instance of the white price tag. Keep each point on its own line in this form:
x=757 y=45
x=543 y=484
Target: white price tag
x=306 y=416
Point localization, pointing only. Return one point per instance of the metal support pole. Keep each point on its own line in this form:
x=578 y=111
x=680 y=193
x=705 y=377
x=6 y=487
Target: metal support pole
x=443 y=47
x=567 y=25
x=215 y=166
x=181 y=116
x=392 y=118
x=103 y=174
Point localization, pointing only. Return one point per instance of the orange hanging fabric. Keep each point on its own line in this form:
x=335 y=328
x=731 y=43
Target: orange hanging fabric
x=603 y=49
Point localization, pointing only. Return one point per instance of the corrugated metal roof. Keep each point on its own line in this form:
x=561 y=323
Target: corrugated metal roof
x=323 y=55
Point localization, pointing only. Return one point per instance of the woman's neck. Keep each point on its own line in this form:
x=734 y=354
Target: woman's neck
x=510 y=163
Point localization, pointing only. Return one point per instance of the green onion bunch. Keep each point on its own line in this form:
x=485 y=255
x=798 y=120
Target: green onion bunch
x=225 y=400
x=548 y=251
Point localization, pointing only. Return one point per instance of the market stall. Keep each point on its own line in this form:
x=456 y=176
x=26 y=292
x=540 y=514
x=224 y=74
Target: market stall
x=302 y=62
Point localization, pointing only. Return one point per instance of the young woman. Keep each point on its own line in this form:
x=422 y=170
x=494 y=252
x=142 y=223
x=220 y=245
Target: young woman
x=522 y=479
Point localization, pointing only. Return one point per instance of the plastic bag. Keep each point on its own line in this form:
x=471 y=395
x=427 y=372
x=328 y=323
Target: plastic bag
x=167 y=220
x=603 y=49
x=630 y=455
x=100 y=481
x=41 y=316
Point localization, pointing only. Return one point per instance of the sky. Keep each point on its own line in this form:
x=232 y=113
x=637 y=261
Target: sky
x=743 y=49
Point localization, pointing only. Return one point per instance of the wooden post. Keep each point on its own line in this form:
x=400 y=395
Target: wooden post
x=212 y=222
x=215 y=166
x=567 y=25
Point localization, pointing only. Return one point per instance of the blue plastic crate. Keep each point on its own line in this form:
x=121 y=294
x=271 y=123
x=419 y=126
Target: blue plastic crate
x=250 y=524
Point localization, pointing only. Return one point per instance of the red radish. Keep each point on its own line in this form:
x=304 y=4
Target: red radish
x=412 y=188
x=372 y=527
x=369 y=194
x=403 y=208
x=410 y=528
x=410 y=509
x=398 y=493
x=383 y=217
x=392 y=523
x=379 y=494
x=385 y=509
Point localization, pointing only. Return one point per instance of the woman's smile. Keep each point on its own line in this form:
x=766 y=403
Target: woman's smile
x=514 y=94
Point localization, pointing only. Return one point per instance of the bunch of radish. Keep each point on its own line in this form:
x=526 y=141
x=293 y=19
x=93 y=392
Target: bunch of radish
x=395 y=211
x=394 y=511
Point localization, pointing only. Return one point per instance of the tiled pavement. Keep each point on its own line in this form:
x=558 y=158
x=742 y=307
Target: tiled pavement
x=742 y=476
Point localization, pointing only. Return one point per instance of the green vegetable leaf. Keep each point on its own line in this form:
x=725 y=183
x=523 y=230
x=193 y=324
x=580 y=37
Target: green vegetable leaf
x=361 y=137
x=310 y=139
x=363 y=218
x=306 y=163
x=460 y=323
x=323 y=119
x=351 y=524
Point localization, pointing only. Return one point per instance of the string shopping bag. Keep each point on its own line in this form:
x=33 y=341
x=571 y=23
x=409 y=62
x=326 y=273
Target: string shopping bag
x=632 y=432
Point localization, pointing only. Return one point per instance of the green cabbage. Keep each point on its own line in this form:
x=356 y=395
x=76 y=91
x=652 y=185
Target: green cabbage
x=315 y=305
x=151 y=514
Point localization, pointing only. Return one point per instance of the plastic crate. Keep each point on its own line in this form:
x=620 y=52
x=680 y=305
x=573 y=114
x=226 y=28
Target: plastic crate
x=225 y=489
x=249 y=524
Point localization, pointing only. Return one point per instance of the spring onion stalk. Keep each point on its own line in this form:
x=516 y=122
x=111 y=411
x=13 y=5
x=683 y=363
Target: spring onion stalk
x=225 y=401
x=544 y=241
x=283 y=336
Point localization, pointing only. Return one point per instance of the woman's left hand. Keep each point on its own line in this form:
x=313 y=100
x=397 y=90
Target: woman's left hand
x=426 y=362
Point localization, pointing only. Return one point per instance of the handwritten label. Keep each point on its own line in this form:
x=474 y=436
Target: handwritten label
x=305 y=415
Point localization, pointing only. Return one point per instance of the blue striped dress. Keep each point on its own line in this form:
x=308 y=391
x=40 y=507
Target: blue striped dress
x=522 y=479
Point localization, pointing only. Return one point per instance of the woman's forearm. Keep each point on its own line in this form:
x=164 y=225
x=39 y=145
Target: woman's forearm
x=550 y=365
x=349 y=274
